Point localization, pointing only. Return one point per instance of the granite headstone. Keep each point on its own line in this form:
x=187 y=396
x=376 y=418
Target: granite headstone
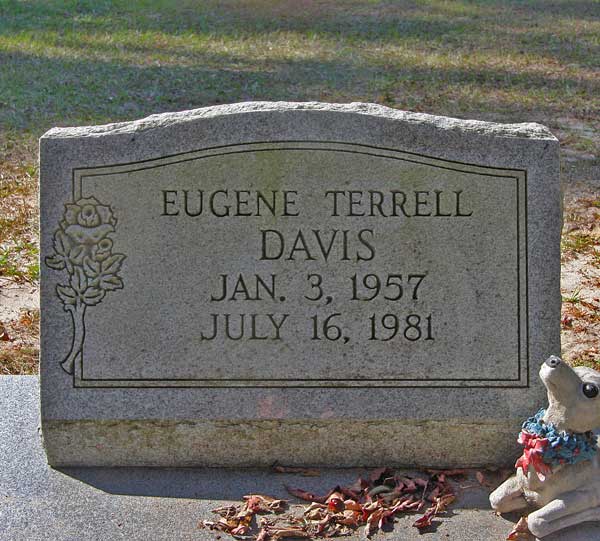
x=297 y=282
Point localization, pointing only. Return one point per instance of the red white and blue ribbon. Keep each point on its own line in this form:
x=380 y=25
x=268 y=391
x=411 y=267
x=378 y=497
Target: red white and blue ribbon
x=546 y=447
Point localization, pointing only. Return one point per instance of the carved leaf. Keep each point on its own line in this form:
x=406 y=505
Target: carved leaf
x=62 y=244
x=92 y=296
x=66 y=294
x=110 y=282
x=112 y=264
x=76 y=255
x=91 y=267
x=56 y=262
x=78 y=280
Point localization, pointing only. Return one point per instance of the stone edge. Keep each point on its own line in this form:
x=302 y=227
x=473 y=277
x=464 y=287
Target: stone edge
x=527 y=130
x=431 y=444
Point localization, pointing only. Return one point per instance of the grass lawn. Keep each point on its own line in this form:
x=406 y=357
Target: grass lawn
x=95 y=61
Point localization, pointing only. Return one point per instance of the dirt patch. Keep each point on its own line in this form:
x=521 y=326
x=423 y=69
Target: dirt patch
x=15 y=298
x=19 y=212
x=19 y=328
x=580 y=275
x=579 y=139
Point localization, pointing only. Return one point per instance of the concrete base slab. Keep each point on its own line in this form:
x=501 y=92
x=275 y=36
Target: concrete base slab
x=38 y=502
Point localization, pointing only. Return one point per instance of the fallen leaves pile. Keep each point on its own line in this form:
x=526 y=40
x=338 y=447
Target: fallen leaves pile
x=520 y=531
x=372 y=502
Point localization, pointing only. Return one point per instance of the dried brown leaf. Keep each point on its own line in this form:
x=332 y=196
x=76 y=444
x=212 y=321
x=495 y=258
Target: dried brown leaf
x=349 y=518
x=481 y=479
x=263 y=535
x=588 y=305
x=305 y=495
x=341 y=510
x=227 y=512
x=379 y=474
x=426 y=520
x=352 y=505
x=315 y=505
x=403 y=503
x=316 y=514
x=259 y=503
x=520 y=531
x=421 y=482
x=409 y=484
x=287 y=533
x=443 y=502
x=376 y=520
x=4 y=336
x=359 y=485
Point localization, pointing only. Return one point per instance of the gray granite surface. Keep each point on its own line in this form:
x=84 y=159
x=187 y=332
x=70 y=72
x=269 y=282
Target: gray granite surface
x=72 y=504
x=360 y=284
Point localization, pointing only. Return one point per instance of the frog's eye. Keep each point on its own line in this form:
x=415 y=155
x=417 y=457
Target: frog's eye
x=590 y=390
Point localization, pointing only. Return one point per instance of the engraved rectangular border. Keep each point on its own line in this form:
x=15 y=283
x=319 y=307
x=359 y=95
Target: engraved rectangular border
x=518 y=175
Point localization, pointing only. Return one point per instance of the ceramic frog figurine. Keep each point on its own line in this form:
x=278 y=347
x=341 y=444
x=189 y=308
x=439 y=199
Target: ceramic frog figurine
x=559 y=471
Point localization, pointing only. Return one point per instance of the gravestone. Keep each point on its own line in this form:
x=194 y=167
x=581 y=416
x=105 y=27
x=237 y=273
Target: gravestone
x=296 y=282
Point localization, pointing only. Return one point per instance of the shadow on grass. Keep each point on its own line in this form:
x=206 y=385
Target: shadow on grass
x=544 y=29
x=39 y=92
x=362 y=19
x=96 y=61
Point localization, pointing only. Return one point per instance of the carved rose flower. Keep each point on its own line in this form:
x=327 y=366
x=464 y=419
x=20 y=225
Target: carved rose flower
x=102 y=250
x=88 y=222
x=82 y=248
